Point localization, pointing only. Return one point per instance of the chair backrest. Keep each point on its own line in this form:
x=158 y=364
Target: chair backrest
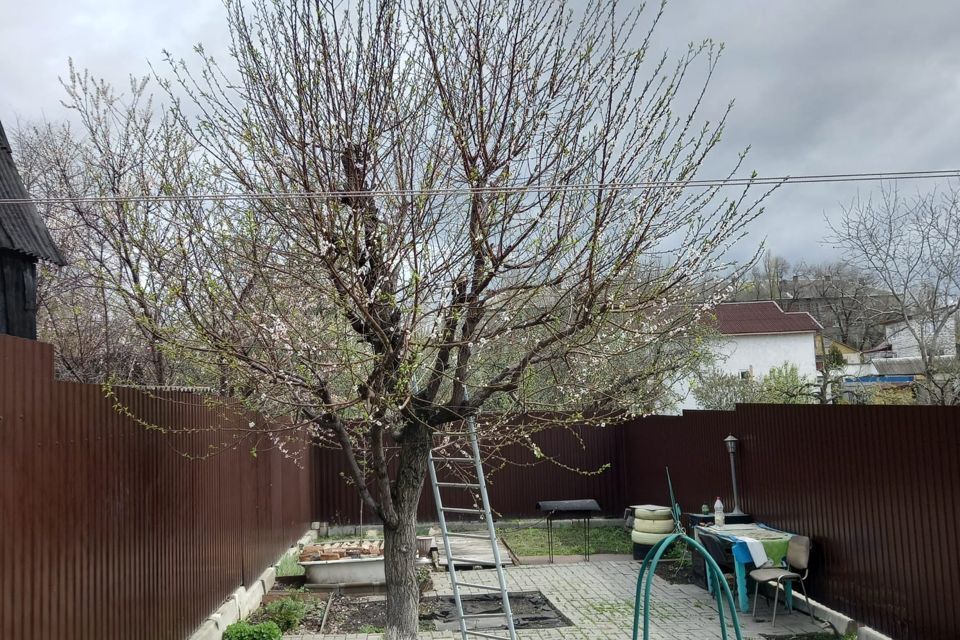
x=798 y=552
x=720 y=554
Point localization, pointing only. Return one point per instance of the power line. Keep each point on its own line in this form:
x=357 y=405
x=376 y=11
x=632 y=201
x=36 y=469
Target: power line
x=504 y=190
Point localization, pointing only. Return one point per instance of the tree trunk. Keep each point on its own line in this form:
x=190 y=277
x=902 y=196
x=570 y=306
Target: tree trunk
x=400 y=542
x=403 y=593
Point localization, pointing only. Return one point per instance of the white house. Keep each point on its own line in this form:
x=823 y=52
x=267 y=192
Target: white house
x=758 y=336
x=902 y=337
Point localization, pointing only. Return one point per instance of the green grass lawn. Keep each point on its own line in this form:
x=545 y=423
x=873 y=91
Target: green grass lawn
x=567 y=541
x=288 y=566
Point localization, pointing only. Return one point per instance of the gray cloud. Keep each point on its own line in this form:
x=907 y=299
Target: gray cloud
x=821 y=86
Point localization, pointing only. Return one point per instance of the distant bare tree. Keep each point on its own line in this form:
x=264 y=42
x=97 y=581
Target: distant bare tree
x=460 y=268
x=913 y=245
x=767 y=277
x=842 y=296
x=850 y=299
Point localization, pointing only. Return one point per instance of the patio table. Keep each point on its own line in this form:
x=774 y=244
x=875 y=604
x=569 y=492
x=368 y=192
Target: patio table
x=774 y=541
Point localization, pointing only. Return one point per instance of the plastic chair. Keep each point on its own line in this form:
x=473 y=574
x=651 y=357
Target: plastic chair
x=798 y=559
x=721 y=554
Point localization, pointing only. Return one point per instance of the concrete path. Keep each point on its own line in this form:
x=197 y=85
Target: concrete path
x=598 y=599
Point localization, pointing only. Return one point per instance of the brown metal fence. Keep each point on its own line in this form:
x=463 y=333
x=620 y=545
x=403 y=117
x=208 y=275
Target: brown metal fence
x=590 y=468
x=107 y=530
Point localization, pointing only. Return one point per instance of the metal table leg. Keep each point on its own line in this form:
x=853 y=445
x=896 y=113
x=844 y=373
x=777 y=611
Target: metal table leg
x=586 y=548
x=550 y=538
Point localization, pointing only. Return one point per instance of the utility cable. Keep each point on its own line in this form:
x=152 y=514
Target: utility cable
x=502 y=190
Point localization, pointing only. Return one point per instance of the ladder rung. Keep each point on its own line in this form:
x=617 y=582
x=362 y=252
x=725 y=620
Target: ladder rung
x=452 y=452
x=481 y=634
x=471 y=585
x=460 y=510
x=474 y=561
x=474 y=536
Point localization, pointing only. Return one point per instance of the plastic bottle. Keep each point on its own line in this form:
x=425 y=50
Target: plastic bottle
x=718 y=517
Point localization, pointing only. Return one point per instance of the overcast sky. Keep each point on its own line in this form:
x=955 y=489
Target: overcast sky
x=821 y=86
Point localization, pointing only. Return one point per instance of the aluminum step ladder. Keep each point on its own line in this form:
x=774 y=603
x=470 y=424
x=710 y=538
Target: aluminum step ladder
x=461 y=465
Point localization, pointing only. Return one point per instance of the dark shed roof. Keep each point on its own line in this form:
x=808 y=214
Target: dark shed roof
x=21 y=228
x=764 y=316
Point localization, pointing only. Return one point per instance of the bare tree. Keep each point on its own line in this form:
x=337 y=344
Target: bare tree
x=96 y=338
x=851 y=302
x=913 y=245
x=768 y=277
x=413 y=242
x=104 y=310
x=842 y=296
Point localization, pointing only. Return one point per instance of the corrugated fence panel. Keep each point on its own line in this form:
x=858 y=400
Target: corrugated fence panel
x=590 y=466
x=109 y=529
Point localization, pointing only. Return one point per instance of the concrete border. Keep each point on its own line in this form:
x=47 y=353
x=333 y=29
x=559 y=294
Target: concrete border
x=245 y=600
x=866 y=633
x=842 y=623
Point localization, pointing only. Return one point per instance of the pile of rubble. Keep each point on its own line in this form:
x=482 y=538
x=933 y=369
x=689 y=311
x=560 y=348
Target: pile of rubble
x=342 y=549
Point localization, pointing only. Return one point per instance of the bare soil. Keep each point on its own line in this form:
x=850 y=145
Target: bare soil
x=675 y=573
x=364 y=614
x=314 y=618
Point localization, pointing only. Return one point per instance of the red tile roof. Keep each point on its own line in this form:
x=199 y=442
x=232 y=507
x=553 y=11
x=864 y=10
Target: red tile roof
x=764 y=316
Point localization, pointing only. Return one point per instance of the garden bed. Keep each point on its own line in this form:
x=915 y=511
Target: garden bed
x=363 y=614
x=294 y=611
x=676 y=572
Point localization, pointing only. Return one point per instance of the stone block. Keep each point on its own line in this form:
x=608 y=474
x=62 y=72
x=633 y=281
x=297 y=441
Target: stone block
x=866 y=633
x=207 y=631
x=228 y=613
x=251 y=599
x=268 y=578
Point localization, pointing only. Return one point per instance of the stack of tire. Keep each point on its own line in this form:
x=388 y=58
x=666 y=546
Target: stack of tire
x=651 y=524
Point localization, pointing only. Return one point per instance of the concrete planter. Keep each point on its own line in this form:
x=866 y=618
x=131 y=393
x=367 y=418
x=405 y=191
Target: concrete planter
x=424 y=544
x=346 y=571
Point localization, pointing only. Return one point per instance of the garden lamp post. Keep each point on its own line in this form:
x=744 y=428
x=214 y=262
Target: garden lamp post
x=731 y=443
